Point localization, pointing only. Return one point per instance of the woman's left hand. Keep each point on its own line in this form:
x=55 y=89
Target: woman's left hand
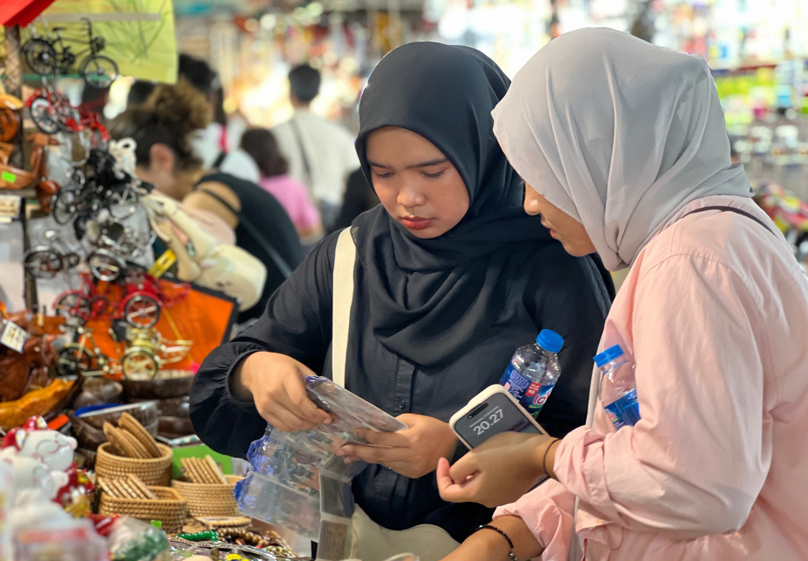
x=497 y=472
x=412 y=452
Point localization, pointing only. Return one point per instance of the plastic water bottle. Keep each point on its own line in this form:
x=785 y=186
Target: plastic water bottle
x=534 y=371
x=618 y=392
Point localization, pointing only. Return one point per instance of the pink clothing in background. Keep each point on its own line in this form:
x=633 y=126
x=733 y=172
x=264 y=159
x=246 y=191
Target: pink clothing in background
x=294 y=199
x=715 y=315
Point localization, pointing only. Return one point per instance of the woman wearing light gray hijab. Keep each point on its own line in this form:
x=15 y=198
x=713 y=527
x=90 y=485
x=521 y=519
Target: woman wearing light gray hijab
x=624 y=150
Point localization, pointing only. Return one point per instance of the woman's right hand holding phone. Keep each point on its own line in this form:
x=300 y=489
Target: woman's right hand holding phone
x=276 y=383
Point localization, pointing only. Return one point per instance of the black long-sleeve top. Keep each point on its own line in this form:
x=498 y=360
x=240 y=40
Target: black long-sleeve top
x=558 y=292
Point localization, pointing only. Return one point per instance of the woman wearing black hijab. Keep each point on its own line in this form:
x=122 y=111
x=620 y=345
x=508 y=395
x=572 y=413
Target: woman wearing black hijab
x=451 y=277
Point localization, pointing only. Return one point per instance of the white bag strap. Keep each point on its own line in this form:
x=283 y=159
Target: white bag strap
x=343 y=289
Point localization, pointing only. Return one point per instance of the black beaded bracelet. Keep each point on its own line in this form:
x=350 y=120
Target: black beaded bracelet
x=511 y=555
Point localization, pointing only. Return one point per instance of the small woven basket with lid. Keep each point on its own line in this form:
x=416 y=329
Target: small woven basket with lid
x=169 y=508
x=207 y=499
x=155 y=471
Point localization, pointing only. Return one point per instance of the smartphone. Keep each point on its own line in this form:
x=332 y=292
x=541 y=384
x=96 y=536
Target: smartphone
x=489 y=413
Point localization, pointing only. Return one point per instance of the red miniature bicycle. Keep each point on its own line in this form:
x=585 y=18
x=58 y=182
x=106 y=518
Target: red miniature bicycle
x=141 y=302
x=52 y=113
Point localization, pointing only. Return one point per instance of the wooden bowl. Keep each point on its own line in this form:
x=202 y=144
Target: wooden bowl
x=174 y=427
x=96 y=391
x=166 y=384
x=145 y=412
x=90 y=438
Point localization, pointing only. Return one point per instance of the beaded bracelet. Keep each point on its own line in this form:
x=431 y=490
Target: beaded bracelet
x=511 y=554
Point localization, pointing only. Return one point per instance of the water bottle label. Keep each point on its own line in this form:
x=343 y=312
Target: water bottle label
x=625 y=411
x=536 y=396
x=514 y=382
x=533 y=389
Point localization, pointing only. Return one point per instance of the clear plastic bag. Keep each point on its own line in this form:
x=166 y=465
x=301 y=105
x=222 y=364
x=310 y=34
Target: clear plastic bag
x=134 y=540
x=283 y=484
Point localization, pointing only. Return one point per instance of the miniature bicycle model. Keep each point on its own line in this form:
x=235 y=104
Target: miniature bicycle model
x=44 y=261
x=85 y=358
x=149 y=351
x=52 y=113
x=87 y=303
x=86 y=199
x=140 y=304
x=48 y=55
x=146 y=298
x=115 y=244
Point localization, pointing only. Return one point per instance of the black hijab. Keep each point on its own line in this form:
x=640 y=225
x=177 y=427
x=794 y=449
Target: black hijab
x=432 y=300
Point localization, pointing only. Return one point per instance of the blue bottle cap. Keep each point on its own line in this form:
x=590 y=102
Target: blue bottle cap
x=550 y=341
x=608 y=355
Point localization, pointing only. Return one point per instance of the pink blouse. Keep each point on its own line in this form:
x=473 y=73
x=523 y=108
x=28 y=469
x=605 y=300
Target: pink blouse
x=715 y=315
x=294 y=198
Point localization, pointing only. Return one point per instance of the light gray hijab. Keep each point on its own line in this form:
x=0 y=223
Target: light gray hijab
x=619 y=134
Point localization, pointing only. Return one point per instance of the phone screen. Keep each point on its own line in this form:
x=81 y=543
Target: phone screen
x=495 y=415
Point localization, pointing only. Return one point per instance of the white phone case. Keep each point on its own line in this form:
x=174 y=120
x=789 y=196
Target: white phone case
x=482 y=397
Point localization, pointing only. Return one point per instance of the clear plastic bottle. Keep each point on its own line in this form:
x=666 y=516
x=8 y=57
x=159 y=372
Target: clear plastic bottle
x=618 y=392
x=533 y=371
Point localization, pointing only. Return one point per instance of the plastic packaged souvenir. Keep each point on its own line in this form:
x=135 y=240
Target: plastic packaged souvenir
x=283 y=486
x=134 y=540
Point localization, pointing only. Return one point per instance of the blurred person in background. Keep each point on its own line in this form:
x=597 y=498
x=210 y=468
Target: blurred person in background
x=139 y=92
x=164 y=129
x=359 y=197
x=211 y=143
x=321 y=154
x=262 y=146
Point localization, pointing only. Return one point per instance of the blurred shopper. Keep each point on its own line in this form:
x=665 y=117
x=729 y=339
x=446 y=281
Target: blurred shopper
x=714 y=314
x=262 y=146
x=359 y=197
x=321 y=154
x=211 y=143
x=163 y=128
x=139 y=92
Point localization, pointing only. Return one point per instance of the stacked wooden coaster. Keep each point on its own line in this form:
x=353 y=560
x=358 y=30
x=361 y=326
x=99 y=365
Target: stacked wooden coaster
x=203 y=471
x=131 y=440
x=129 y=487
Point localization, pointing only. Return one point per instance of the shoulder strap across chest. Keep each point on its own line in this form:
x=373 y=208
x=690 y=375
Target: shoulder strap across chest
x=342 y=290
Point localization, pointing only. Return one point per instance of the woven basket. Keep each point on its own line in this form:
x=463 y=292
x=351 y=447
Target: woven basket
x=209 y=500
x=155 y=471
x=170 y=508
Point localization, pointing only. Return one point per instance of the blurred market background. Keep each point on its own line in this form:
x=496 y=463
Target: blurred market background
x=757 y=49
